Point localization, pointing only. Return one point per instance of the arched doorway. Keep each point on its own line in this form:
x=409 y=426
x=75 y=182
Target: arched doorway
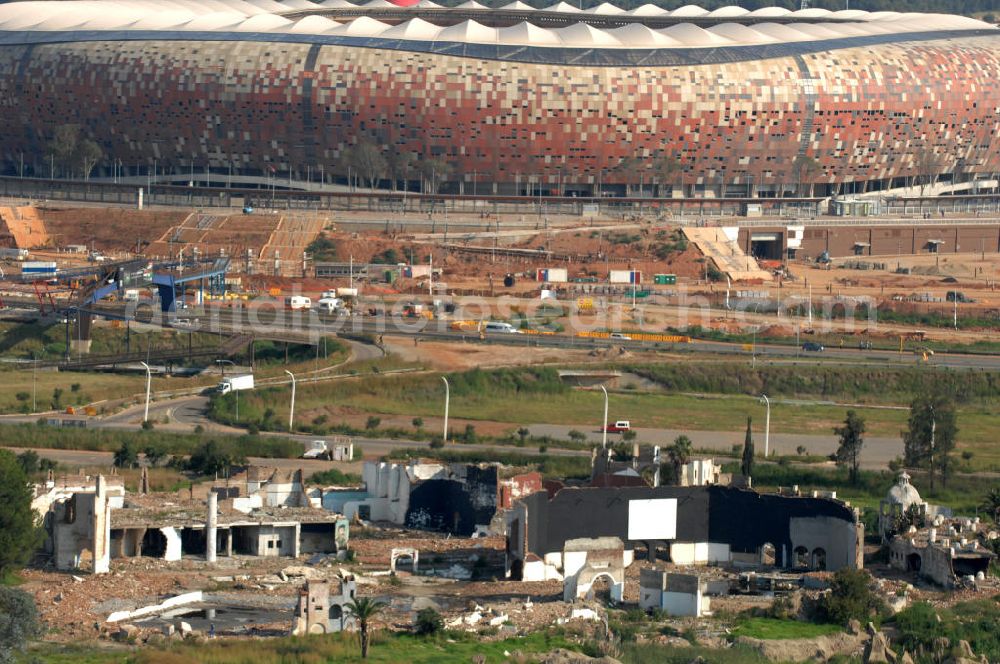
x=913 y=562
x=819 y=558
x=801 y=559
x=600 y=589
x=768 y=555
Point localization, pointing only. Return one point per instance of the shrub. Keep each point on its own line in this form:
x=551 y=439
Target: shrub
x=372 y=422
x=850 y=597
x=127 y=456
x=214 y=457
x=19 y=624
x=428 y=622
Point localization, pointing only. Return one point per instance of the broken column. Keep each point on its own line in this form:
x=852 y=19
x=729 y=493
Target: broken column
x=102 y=528
x=211 y=526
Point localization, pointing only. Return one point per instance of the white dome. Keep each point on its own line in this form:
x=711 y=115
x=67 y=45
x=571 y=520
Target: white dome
x=528 y=34
x=468 y=31
x=605 y=8
x=310 y=25
x=415 y=28
x=363 y=26
x=647 y=10
x=903 y=493
x=262 y=23
x=769 y=12
x=582 y=35
x=517 y=5
x=691 y=35
x=741 y=34
x=563 y=7
x=729 y=11
x=637 y=35
x=689 y=11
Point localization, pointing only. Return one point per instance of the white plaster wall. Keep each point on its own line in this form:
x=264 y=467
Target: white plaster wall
x=573 y=562
x=173 y=551
x=681 y=604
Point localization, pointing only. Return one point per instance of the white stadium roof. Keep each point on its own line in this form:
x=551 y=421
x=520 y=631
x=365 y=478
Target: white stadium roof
x=689 y=26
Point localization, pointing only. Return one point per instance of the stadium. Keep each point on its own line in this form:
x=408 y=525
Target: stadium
x=512 y=100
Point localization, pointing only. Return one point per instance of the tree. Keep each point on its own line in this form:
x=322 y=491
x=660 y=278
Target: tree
x=577 y=436
x=63 y=145
x=666 y=168
x=805 y=169
x=28 y=461
x=18 y=622
x=372 y=422
x=127 y=456
x=155 y=453
x=991 y=504
x=212 y=457
x=746 y=464
x=851 y=441
x=429 y=622
x=523 y=433
x=417 y=422
x=400 y=165
x=930 y=435
x=19 y=531
x=366 y=158
x=364 y=610
x=851 y=597
x=470 y=433
x=678 y=454
x=88 y=153
x=434 y=172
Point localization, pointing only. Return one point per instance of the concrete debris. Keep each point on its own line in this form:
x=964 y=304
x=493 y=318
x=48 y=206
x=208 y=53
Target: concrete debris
x=580 y=614
x=300 y=571
x=561 y=656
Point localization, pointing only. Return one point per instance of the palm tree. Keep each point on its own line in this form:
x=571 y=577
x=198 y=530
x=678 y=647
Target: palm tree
x=364 y=609
x=991 y=504
x=679 y=453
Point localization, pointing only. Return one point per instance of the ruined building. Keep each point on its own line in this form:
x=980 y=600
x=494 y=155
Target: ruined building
x=700 y=524
x=461 y=499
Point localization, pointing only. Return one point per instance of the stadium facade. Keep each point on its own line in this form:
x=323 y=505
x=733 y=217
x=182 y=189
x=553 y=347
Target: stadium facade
x=513 y=99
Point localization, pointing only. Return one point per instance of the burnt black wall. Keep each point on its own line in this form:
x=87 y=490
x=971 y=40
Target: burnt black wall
x=449 y=506
x=743 y=519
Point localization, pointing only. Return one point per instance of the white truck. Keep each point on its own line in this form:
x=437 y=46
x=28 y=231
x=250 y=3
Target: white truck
x=236 y=383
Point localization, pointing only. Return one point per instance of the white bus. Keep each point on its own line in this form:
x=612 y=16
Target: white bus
x=298 y=302
x=503 y=328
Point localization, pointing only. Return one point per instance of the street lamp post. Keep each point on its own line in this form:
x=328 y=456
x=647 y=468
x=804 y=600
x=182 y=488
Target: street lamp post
x=291 y=411
x=604 y=429
x=447 y=402
x=149 y=380
x=767 y=425
x=34 y=371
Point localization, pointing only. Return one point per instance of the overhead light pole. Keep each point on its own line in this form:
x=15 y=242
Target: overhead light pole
x=604 y=429
x=767 y=424
x=149 y=380
x=291 y=411
x=447 y=403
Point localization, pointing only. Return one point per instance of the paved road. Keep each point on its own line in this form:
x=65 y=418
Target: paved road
x=876 y=454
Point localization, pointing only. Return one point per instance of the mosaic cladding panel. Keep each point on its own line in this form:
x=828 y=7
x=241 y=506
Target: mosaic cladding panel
x=862 y=113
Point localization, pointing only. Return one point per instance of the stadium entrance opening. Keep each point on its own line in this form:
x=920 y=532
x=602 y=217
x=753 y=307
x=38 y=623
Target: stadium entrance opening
x=767 y=246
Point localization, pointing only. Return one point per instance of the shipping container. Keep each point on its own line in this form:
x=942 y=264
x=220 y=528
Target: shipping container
x=38 y=267
x=553 y=275
x=13 y=252
x=625 y=277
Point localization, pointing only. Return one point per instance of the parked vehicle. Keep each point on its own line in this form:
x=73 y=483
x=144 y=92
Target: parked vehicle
x=503 y=328
x=619 y=336
x=236 y=383
x=957 y=296
x=813 y=346
x=298 y=302
x=621 y=426
x=329 y=305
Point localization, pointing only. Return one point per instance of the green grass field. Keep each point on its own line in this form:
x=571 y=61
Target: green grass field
x=457 y=648
x=775 y=628
x=556 y=404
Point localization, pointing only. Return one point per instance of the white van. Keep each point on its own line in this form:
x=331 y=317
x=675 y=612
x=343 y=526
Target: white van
x=503 y=328
x=329 y=305
x=298 y=302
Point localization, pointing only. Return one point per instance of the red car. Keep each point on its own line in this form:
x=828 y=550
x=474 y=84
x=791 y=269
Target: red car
x=621 y=426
